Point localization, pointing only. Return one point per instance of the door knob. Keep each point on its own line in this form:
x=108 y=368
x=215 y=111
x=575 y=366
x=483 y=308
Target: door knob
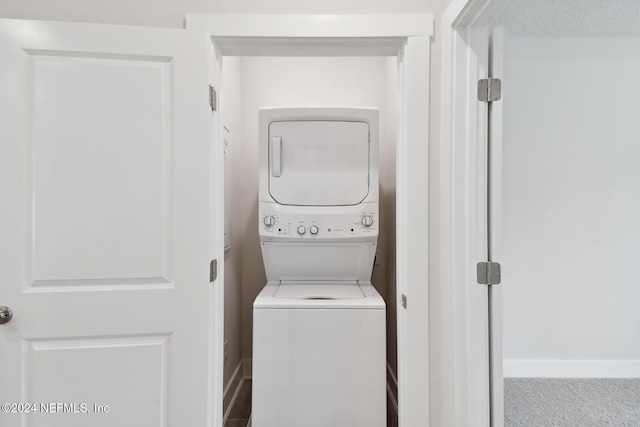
x=5 y=314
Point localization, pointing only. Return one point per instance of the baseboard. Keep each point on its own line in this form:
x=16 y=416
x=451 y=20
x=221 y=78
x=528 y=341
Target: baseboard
x=392 y=387
x=523 y=368
x=232 y=389
x=246 y=368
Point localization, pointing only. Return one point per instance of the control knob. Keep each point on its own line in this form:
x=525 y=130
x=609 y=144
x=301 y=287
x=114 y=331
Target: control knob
x=367 y=221
x=302 y=230
x=269 y=221
x=314 y=230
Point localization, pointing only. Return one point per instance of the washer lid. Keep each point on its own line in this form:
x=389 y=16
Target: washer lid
x=269 y=299
x=319 y=290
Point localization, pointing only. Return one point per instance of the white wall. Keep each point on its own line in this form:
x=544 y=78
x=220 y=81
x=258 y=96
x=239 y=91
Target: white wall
x=230 y=99
x=571 y=249
x=388 y=139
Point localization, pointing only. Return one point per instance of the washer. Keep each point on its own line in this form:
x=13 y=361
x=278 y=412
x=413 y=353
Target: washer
x=319 y=326
x=318 y=355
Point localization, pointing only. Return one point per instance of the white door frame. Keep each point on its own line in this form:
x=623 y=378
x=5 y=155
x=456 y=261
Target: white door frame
x=466 y=31
x=408 y=37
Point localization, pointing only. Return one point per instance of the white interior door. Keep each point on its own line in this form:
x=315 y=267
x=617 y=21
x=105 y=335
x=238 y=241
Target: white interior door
x=105 y=247
x=484 y=301
x=494 y=203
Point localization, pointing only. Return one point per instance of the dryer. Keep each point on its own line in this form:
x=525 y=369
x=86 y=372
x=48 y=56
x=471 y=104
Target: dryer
x=319 y=338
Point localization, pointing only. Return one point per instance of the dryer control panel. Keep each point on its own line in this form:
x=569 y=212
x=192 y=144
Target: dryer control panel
x=277 y=223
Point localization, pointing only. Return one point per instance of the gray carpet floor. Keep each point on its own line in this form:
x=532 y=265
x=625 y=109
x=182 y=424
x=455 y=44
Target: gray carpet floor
x=551 y=402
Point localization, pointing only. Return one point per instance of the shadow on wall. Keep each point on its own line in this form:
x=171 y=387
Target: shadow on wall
x=253 y=275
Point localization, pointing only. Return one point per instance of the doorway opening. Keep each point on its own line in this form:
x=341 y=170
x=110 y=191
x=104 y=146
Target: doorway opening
x=252 y=82
x=580 y=204
x=407 y=39
x=563 y=214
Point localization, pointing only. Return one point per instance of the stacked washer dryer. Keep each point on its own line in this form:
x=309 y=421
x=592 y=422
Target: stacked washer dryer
x=318 y=324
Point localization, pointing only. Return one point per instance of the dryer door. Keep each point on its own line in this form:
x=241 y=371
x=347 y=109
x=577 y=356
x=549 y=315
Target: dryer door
x=318 y=163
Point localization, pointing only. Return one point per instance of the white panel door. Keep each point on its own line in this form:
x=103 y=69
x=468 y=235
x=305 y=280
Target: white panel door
x=105 y=243
x=319 y=163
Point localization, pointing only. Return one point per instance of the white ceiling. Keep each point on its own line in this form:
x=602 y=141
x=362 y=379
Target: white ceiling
x=571 y=18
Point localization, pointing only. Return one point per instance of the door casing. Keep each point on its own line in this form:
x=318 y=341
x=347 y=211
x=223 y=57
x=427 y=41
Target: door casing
x=408 y=37
x=465 y=50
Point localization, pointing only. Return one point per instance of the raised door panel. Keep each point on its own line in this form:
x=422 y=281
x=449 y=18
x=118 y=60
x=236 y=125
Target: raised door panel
x=70 y=381
x=100 y=167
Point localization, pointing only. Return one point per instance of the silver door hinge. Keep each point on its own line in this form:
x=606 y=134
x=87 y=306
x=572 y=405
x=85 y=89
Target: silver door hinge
x=404 y=301
x=488 y=273
x=213 y=98
x=489 y=90
x=213 y=270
